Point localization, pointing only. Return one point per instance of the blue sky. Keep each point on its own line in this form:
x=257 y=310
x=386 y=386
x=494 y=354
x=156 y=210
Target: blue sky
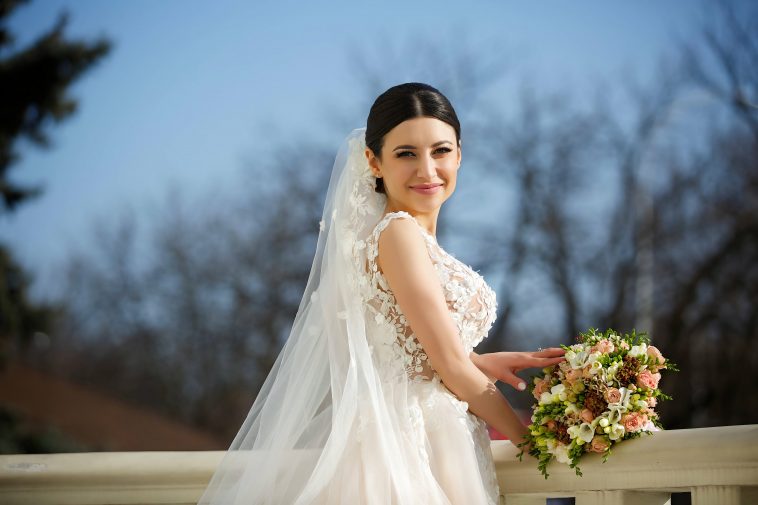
x=192 y=89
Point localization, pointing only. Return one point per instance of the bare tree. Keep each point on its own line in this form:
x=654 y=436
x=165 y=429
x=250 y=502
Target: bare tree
x=613 y=220
x=189 y=315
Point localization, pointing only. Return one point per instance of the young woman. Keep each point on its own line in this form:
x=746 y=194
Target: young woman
x=377 y=396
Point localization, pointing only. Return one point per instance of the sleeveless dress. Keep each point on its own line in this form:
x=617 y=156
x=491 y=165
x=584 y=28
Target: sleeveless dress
x=453 y=441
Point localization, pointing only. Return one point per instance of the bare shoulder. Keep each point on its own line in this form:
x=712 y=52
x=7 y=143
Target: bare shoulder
x=400 y=241
x=405 y=263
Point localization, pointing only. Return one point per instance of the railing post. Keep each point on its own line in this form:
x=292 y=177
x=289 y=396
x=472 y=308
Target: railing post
x=622 y=498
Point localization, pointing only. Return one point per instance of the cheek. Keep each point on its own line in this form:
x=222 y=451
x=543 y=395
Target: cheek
x=451 y=174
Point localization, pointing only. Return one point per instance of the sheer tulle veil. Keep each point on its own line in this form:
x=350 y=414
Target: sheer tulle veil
x=328 y=424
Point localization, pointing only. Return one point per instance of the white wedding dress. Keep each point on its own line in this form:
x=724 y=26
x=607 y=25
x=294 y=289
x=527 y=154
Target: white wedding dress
x=352 y=411
x=453 y=441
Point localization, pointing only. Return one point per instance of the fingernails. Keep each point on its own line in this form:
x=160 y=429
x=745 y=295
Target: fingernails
x=522 y=386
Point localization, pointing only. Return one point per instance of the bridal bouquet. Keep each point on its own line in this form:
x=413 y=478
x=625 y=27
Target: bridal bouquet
x=605 y=392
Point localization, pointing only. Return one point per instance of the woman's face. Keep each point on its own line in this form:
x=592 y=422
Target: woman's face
x=418 y=153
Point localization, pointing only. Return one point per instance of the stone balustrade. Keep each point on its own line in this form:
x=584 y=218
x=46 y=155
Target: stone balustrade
x=718 y=466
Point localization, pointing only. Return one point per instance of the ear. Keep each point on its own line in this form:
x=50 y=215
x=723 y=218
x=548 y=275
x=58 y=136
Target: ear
x=373 y=163
x=459 y=153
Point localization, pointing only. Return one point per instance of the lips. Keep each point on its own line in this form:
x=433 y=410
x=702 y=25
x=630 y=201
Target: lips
x=427 y=189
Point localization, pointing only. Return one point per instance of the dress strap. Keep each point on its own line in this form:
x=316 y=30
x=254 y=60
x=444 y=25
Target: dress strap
x=382 y=224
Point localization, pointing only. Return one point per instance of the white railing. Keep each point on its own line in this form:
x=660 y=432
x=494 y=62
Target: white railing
x=718 y=466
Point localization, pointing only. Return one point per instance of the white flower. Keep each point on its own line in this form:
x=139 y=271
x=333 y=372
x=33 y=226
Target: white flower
x=610 y=372
x=558 y=392
x=561 y=454
x=587 y=431
x=576 y=359
x=321 y=225
x=616 y=431
x=546 y=398
x=614 y=413
x=571 y=409
x=623 y=403
x=595 y=367
x=638 y=350
x=649 y=426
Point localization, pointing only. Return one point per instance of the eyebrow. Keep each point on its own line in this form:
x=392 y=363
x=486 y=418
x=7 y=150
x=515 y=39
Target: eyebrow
x=406 y=146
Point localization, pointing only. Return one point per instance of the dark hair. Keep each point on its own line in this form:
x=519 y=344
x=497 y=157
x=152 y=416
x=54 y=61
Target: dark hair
x=402 y=102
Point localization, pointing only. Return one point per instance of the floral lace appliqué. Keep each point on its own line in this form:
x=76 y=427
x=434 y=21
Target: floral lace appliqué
x=471 y=302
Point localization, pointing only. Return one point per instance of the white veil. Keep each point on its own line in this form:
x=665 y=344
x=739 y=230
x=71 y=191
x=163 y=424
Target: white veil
x=325 y=426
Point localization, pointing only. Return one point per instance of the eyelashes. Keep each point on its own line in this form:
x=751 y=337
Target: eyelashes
x=444 y=150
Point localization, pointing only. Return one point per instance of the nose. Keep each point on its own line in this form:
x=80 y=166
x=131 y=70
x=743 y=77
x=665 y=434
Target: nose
x=426 y=167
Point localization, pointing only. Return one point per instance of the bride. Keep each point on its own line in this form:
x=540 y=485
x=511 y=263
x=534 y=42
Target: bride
x=377 y=397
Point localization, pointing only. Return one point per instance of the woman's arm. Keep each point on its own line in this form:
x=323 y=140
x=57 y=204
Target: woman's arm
x=409 y=271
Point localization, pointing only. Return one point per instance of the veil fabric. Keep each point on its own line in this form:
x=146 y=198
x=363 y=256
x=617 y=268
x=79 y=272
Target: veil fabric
x=329 y=425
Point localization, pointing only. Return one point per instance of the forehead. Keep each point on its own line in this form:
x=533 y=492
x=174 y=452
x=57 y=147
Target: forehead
x=421 y=131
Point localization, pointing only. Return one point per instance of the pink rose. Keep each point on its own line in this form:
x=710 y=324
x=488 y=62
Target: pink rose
x=573 y=375
x=586 y=372
x=648 y=379
x=587 y=416
x=632 y=422
x=624 y=345
x=540 y=387
x=656 y=357
x=652 y=402
x=599 y=444
x=604 y=346
x=654 y=353
x=612 y=395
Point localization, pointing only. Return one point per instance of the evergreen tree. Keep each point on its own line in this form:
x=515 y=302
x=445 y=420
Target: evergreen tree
x=33 y=85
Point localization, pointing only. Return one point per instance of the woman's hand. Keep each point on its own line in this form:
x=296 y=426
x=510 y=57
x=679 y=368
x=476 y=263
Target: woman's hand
x=504 y=365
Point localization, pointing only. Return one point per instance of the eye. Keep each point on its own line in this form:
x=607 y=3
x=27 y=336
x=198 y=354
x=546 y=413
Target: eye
x=443 y=150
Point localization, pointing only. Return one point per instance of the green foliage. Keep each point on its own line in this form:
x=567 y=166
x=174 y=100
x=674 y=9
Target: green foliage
x=16 y=438
x=20 y=318
x=33 y=85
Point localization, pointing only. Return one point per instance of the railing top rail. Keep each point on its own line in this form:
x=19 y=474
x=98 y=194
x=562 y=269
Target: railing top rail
x=666 y=460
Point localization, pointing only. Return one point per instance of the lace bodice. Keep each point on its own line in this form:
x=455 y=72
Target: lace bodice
x=471 y=302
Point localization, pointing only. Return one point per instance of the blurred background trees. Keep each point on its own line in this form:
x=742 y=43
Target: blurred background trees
x=33 y=94
x=636 y=208
x=34 y=81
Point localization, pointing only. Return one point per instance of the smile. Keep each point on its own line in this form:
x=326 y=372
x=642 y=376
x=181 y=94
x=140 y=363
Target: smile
x=427 y=189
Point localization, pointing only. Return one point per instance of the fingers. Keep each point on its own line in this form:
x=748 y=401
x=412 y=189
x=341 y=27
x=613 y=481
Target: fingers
x=515 y=381
x=548 y=357
x=550 y=352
